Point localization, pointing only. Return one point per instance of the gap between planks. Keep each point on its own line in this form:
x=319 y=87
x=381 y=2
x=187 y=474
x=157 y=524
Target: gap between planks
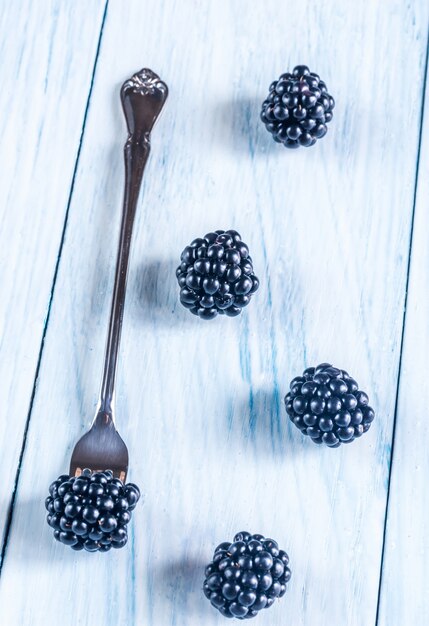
x=9 y=517
x=404 y=320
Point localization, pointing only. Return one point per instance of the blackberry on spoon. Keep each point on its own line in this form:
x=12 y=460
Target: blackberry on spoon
x=91 y=511
x=90 y=507
x=297 y=108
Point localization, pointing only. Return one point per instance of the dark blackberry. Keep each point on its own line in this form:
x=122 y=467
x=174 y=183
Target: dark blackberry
x=216 y=275
x=91 y=511
x=297 y=108
x=246 y=576
x=325 y=403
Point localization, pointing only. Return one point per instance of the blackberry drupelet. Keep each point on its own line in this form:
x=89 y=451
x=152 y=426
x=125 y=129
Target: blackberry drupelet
x=246 y=576
x=297 y=108
x=91 y=511
x=325 y=403
x=216 y=275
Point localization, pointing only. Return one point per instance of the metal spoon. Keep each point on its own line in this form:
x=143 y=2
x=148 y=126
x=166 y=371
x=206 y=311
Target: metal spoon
x=102 y=448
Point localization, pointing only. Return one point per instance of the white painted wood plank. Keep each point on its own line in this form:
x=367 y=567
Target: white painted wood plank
x=404 y=598
x=47 y=52
x=200 y=404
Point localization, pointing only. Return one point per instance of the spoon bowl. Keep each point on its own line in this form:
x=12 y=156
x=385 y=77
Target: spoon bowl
x=101 y=448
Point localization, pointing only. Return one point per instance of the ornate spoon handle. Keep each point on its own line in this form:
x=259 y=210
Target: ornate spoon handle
x=143 y=97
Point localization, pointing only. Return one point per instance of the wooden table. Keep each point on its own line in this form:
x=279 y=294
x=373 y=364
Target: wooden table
x=339 y=237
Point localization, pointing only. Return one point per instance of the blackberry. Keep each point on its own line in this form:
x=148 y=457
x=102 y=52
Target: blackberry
x=216 y=275
x=297 y=108
x=91 y=511
x=325 y=403
x=246 y=576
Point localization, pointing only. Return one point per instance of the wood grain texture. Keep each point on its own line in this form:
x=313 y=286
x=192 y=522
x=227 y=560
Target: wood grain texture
x=404 y=598
x=47 y=54
x=200 y=405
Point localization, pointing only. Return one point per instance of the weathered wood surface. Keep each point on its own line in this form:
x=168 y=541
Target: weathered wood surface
x=404 y=597
x=48 y=52
x=200 y=405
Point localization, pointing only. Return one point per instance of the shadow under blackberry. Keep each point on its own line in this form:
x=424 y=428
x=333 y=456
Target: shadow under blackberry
x=181 y=582
x=240 y=126
x=30 y=535
x=154 y=293
x=260 y=420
